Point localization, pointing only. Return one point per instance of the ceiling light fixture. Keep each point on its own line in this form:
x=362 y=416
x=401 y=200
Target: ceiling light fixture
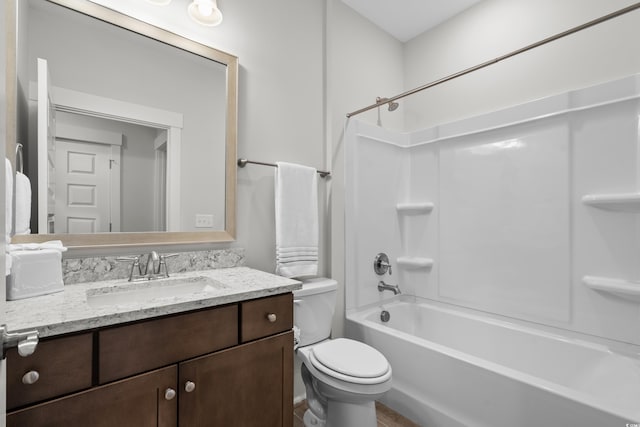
x=205 y=12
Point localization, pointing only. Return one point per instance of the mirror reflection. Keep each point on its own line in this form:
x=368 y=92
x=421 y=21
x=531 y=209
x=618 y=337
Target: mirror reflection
x=125 y=133
x=105 y=168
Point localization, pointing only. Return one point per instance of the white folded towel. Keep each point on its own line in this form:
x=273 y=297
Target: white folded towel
x=296 y=194
x=51 y=244
x=8 y=199
x=23 y=204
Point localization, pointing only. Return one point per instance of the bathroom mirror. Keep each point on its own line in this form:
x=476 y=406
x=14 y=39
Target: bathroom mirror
x=156 y=110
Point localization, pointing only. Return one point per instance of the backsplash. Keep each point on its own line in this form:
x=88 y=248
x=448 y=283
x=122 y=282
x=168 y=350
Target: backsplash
x=80 y=270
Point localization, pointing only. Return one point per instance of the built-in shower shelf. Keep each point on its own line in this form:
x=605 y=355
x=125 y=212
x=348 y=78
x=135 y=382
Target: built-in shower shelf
x=414 y=262
x=621 y=288
x=414 y=208
x=624 y=202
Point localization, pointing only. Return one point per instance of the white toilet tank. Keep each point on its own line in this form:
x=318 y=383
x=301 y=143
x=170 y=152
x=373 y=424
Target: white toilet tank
x=313 y=308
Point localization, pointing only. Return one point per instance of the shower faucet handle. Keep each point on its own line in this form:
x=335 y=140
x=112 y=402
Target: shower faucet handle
x=381 y=264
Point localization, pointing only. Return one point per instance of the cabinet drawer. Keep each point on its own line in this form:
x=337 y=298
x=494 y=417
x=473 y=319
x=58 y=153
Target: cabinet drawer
x=266 y=316
x=131 y=349
x=62 y=364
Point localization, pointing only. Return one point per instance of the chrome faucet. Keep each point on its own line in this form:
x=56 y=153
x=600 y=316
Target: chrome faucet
x=385 y=287
x=153 y=261
x=156 y=266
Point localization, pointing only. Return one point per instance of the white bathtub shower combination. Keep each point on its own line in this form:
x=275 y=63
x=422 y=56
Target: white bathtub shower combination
x=452 y=367
x=514 y=240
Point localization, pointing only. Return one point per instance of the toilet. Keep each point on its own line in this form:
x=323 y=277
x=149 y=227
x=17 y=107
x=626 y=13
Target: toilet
x=342 y=377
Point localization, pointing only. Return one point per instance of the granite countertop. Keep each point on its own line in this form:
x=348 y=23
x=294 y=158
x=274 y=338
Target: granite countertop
x=69 y=311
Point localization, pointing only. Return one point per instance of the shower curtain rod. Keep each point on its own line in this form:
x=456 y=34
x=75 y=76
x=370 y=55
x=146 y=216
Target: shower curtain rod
x=500 y=58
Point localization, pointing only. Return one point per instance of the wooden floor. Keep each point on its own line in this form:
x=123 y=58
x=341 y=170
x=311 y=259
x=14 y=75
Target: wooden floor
x=386 y=416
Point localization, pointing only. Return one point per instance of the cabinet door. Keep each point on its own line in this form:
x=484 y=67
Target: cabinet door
x=135 y=402
x=249 y=385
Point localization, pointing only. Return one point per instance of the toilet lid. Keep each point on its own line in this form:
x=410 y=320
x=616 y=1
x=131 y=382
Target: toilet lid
x=350 y=358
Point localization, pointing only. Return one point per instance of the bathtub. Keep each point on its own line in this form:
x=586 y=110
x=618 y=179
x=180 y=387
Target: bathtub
x=456 y=367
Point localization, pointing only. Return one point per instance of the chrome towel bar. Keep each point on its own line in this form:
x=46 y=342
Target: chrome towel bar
x=243 y=162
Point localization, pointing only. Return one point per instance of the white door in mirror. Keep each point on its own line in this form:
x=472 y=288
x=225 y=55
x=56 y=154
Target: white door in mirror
x=86 y=190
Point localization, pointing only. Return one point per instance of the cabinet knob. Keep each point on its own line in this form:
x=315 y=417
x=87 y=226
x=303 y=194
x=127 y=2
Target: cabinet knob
x=272 y=317
x=30 y=377
x=169 y=394
x=189 y=386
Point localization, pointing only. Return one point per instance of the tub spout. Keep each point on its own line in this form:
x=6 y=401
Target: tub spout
x=384 y=287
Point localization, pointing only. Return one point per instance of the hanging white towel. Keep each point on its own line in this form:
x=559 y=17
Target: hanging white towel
x=23 y=204
x=8 y=201
x=296 y=194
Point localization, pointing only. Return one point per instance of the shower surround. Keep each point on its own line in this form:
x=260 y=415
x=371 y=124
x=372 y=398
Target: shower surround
x=528 y=215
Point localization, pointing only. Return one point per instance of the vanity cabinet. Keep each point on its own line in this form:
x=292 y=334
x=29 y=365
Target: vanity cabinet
x=222 y=366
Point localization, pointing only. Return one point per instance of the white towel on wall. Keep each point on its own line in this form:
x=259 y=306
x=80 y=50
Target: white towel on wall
x=297 y=228
x=8 y=201
x=23 y=204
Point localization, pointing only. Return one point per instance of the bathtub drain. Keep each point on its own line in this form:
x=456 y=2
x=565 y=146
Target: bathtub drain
x=385 y=316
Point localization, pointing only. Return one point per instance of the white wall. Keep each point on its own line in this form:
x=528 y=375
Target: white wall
x=496 y=27
x=377 y=179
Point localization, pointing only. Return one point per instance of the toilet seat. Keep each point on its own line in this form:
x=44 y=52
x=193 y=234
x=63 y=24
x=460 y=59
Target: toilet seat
x=350 y=361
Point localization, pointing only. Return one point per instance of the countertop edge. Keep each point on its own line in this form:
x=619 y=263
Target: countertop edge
x=67 y=312
x=90 y=324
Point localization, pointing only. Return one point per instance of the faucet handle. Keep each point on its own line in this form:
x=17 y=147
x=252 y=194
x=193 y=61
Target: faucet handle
x=135 y=263
x=128 y=258
x=381 y=264
x=163 y=263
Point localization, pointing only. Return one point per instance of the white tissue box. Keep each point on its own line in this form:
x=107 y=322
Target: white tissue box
x=34 y=273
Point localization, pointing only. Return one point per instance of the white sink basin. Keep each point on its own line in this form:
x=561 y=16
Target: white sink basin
x=152 y=290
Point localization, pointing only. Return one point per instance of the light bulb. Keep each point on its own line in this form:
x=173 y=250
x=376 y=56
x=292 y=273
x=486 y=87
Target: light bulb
x=205 y=8
x=205 y=12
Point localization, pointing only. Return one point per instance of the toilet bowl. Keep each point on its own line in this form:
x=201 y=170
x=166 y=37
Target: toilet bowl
x=342 y=377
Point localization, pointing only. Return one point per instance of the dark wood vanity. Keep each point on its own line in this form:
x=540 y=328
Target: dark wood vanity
x=229 y=365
